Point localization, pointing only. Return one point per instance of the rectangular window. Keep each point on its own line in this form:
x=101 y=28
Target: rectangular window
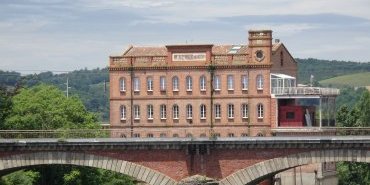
x=149 y=84
x=230 y=82
x=244 y=82
x=202 y=112
x=259 y=82
x=217 y=83
x=136 y=84
x=122 y=85
x=175 y=83
x=136 y=112
x=230 y=111
x=150 y=111
x=189 y=83
x=163 y=112
x=245 y=110
x=290 y=115
x=217 y=111
x=163 y=83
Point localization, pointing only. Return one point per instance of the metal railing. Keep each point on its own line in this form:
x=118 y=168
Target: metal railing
x=304 y=91
x=180 y=133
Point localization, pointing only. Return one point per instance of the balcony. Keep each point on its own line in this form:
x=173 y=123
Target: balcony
x=302 y=91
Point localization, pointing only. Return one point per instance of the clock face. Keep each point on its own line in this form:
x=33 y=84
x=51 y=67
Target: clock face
x=259 y=55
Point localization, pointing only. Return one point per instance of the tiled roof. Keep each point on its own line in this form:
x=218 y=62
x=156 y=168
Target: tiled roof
x=146 y=51
x=136 y=51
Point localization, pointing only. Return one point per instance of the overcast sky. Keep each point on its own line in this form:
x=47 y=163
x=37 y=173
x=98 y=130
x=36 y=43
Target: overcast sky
x=74 y=34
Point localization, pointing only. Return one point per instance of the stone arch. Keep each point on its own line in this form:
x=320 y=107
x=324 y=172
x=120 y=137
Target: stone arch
x=270 y=167
x=90 y=160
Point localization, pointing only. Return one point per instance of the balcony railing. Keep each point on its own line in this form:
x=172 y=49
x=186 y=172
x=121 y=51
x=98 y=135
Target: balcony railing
x=304 y=91
x=180 y=133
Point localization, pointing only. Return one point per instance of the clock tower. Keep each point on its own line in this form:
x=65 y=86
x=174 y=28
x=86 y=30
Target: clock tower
x=260 y=46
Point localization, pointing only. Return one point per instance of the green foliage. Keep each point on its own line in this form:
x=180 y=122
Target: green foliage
x=351 y=173
x=20 y=177
x=324 y=69
x=349 y=96
x=5 y=106
x=46 y=107
x=354 y=80
x=359 y=116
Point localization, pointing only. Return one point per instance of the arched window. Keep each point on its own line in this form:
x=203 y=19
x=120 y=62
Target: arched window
x=189 y=83
x=123 y=112
x=260 y=111
x=149 y=83
x=244 y=82
x=163 y=135
x=175 y=83
x=122 y=84
x=230 y=82
x=136 y=112
x=150 y=135
x=137 y=135
x=281 y=58
x=175 y=135
x=136 y=84
x=189 y=111
x=163 y=83
x=217 y=111
x=230 y=110
x=244 y=135
x=150 y=111
x=244 y=110
x=217 y=83
x=230 y=135
x=163 y=111
x=203 y=111
x=259 y=82
x=175 y=112
x=203 y=83
x=123 y=135
x=259 y=134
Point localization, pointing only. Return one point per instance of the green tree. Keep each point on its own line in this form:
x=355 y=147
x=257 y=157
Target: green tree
x=46 y=107
x=5 y=106
x=351 y=173
x=20 y=177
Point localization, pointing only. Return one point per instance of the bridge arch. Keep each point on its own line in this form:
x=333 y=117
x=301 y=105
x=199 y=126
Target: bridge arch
x=270 y=167
x=137 y=171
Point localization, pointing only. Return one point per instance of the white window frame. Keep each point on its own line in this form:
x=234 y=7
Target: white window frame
x=122 y=84
x=123 y=112
x=136 y=112
x=149 y=84
x=163 y=84
x=136 y=84
x=217 y=111
x=150 y=111
x=203 y=83
x=189 y=111
x=230 y=82
x=260 y=111
x=189 y=83
x=175 y=83
x=163 y=111
x=259 y=82
x=230 y=111
x=175 y=111
x=244 y=82
x=203 y=111
x=217 y=83
x=244 y=110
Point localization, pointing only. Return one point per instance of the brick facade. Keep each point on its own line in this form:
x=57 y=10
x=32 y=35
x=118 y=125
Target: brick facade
x=220 y=61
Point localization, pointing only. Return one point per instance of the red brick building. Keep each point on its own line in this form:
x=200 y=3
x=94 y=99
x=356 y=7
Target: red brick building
x=205 y=90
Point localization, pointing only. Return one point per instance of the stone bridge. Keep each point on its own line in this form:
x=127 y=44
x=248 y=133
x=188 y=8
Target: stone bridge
x=166 y=161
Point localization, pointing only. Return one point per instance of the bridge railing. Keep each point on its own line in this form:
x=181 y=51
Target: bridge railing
x=183 y=133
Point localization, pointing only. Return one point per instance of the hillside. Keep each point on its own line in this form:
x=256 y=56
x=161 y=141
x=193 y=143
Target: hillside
x=353 y=80
x=325 y=69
